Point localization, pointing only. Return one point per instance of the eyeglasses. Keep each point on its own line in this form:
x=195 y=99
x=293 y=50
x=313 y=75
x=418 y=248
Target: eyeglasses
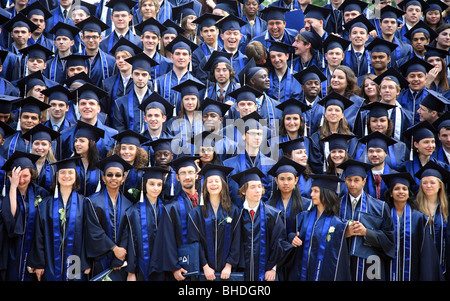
x=91 y=37
x=117 y=175
x=184 y=174
x=255 y=134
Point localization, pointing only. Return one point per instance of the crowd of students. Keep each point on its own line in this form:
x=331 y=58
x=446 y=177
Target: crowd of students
x=278 y=142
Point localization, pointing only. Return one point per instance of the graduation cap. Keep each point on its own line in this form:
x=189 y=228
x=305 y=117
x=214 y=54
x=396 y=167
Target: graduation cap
x=184 y=161
x=181 y=11
x=152 y=25
x=337 y=141
x=415 y=64
x=121 y=5
x=353 y=167
x=391 y=12
x=286 y=165
x=210 y=105
x=141 y=61
x=20 y=159
x=5 y=129
x=3 y=55
x=4 y=16
x=393 y=75
x=155 y=100
x=435 y=5
x=160 y=144
x=435 y=101
x=288 y=146
x=353 y=5
x=381 y=45
x=88 y=131
x=275 y=13
x=207 y=20
x=326 y=181
x=419 y=131
x=130 y=137
x=92 y=24
x=312 y=37
x=87 y=7
x=361 y=22
x=172 y=28
x=378 y=140
x=252 y=121
x=217 y=57
x=88 y=91
x=433 y=169
x=293 y=106
x=41 y=132
x=20 y=20
x=57 y=92
x=333 y=41
x=154 y=172
x=26 y=83
x=205 y=139
x=252 y=174
x=248 y=71
x=180 y=42
x=230 y=22
x=405 y=3
x=123 y=44
x=6 y=103
x=442 y=121
x=316 y=12
x=245 y=93
x=114 y=161
x=280 y=47
x=81 y=77
x=433 y=51
x=75 y=59
x=216 y=170
x=189 y=87
x=377 y=109
x=37 y=51
x=64 y=29
x=31 y=104
x=421 y=26
x=229 y=6
x=67 y=163
x=310 y=73
x=336 y=99
x=393 y=178
x=36 y=8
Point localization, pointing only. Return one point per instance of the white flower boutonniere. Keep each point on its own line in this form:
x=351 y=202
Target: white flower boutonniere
x=228 y=220
x=37 y=200
x=330 y=231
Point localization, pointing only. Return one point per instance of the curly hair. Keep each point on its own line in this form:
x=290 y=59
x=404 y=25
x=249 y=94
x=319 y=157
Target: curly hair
x=352 y=84
x=141 y=159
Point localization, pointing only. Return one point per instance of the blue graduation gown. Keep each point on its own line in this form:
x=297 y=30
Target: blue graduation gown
x=56 y=144
x=250 y=31
x=143 y=221
x=440 y=155
x=406 y=100
x=285 y=88
x=263 y=240
x=242 y=162
x=12 y=143
x=165 y=65
x=46 y=176
x=375 y=215
x=201 y=52
x=7 y=88
x=105 y=223
x=126 y=113
x=109 y=41
x=334 y=21
x=57 y=16
x=313 y=117
x=90 y=179
x=102 y=66
x=212 y=92
x=114 y=86
x=265 y=37
x=370 y=186
x=220 y=241
x=397 y=154
x=43 y=41
x=327 y=257
x=361 y=67
x=54 y=242
x=8 y=65
x=416 y=258
x=183 y=130
x=20 y=231
x=287 y=213
x=133 y=179
x=56 y=69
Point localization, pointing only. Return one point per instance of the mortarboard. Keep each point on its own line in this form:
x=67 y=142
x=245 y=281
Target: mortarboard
x=152 y=25
x=189 y=87
x=391 y=12
x=20 y=159
x=288 y=146
x=114 y=161
x=355 y=168
x=415 y=64
x=286 y=165
x=293 y=106
x=378 y=140
x=336 y=99
x=57 y=92
x=88 y=91
x=26 y=83
x=88 y=131
x=421 y=26
x=141 y=61
x=87 y=7
x=245 y=93
x=280 y=47
x=230 y=22
x=393 y=75
x=172 y=28
x=81 y=77
x=6 y=130
x=75 y=59
x=205 y=139
x=41 y=132
x=381 y=45
x=435 y=5
x=183 y=10
x=337 y=141
x=312 y=37
x=433 y=169
x=31 y=105
x=154 y=172
x=124 y=44
x=6 y=103
x=252 y=174
x=160 y=144
x=310 y=73
x=326 y=181
x=4 y=16
x=393 y=178
x=251 y=121
x=36 y=51
x=217 y=57
x=316 y=12
x=420 y=131
x=184 y=161
x=36 y=8
x=92 y=24
x=210 y=105
x=3 y=55
x=130 y=137
x=435 y=101
x=442 y=121
x=180 y=42
x=275 y=13
x=377 y=109
x=216 y=170
x=67 y=163
x=360 y=21
x=353 y=5
x=229 y=6
x=332 y=42
x=20 y=20
x=248 y=71
x=121 y=5
x=64 y=29
x=433 y=51
x=207 y=20
x=155 y=100
x=405 y=3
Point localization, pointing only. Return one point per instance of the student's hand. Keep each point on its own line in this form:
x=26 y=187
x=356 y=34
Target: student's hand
x=15 y=176
x=226 y=272
x=355 y=229
x=296 y=242
x=270 y=275
x=373 y=34
x=39 y=273
x=131 y=277
x=120 y=253
x=178 y=274
x=209 y=273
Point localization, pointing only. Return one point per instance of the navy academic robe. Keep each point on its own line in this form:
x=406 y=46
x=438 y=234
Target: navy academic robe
x=397 y=154
x=105 y=223
x=114 y=86
x=360 y=67
x=326 y=257
x=20 y=231
x=285 y=88
x=219 y=238
x=133 y=179
x=184 y=130
x=212 y=91
x=7 y=88
x=313 y=117
x=265 y=37
x=12 y=143
x=57 y=16
x=164 y=65
x=54 y=242
x=56 y=144
x=334 y=22
x=46 y=175
x=56 y=70
x=101 y=67
x=109 y=41
x=90 y=179
x=370 y=186
x=375 y=215
x=252 y=31
x=201 y=52
x=8 y=65
x=440 y=155
x=408 y=102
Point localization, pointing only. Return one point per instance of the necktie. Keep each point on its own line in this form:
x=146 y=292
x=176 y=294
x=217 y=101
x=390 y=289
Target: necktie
x=221 y=96
x=377 y=179
x=252 y=213
x=194 y=200
x=55 y=127
x=65 y=14
x=358 y=56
